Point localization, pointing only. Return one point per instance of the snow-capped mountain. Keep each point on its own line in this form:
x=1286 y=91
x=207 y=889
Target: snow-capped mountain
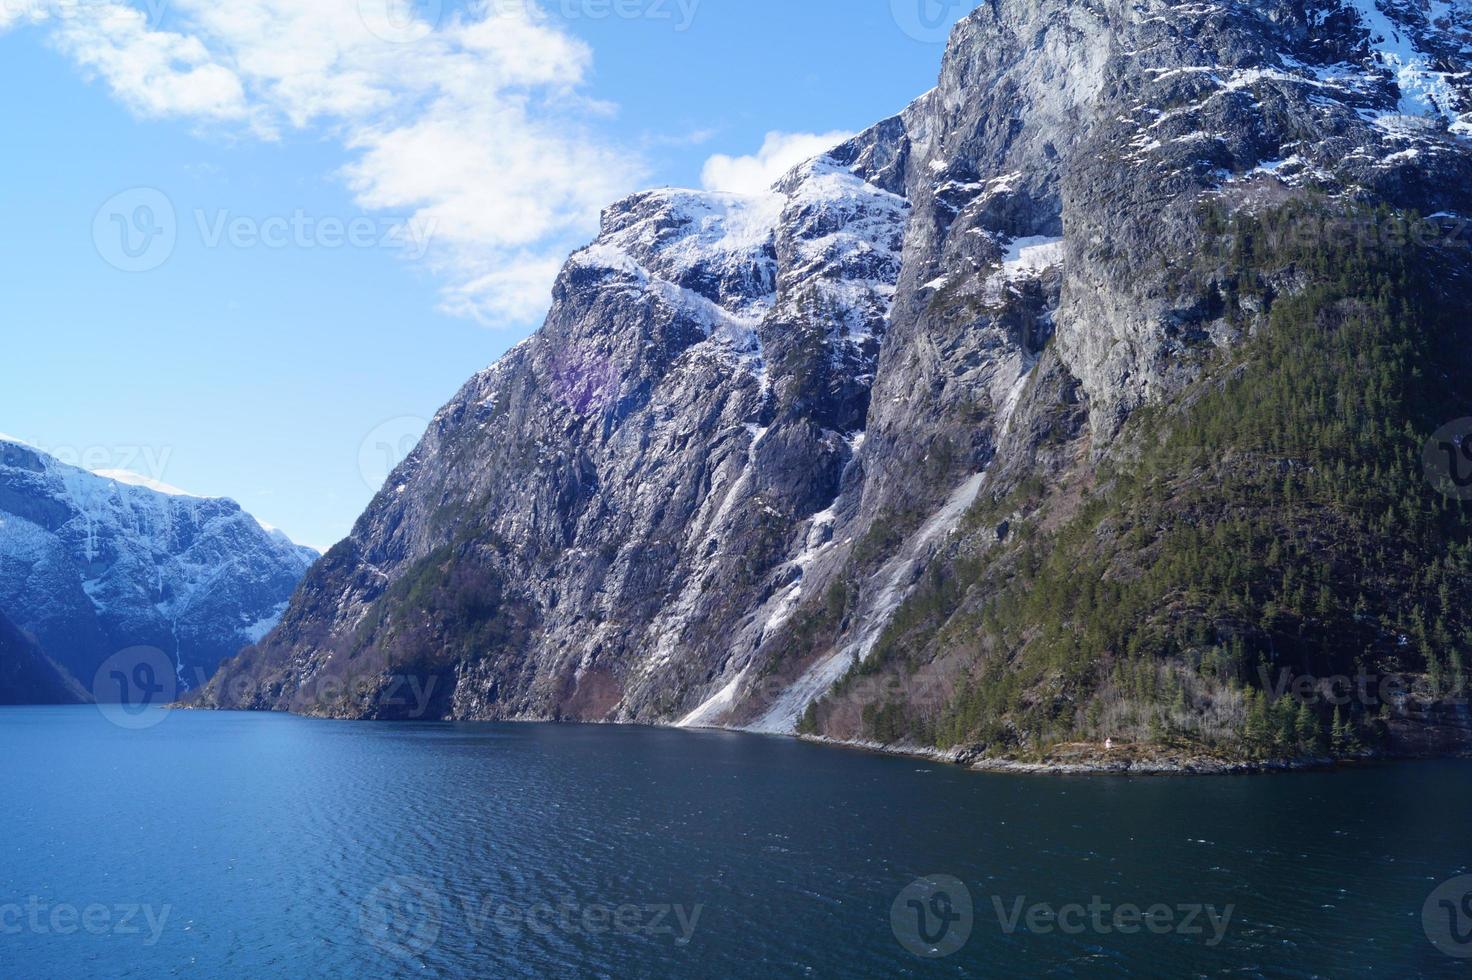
x=92 y=564
x=760 y=438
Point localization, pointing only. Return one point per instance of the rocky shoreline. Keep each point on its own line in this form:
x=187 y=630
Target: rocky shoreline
x=1087 y=759
x=1071 y=759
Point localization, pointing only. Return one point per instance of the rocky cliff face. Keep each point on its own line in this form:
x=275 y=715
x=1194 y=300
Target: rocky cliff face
x=754 y=431
x=90 y=566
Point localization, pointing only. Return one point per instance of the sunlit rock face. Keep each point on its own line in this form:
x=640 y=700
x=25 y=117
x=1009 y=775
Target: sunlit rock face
x=750 y=424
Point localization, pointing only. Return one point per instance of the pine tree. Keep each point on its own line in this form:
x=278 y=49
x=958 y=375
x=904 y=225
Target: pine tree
x=1255 y=725
x=1094 y=716
x=1156 y=727
x=1307 y=729
x=1434 y=673
x=1352 y=743
x=1285 y=732
x=1338 y=733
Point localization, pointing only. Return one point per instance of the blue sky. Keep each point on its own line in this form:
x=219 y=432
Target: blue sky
x=336 y=215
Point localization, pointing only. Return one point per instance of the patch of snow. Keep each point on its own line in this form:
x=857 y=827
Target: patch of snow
x=131 y=479
x=1005 y=183
x=841 y=235
x=818 y=541
x=1273 y=166
x=1028 y=256
x=23 y=540
x=895 y=580
x=256 y=632
x=1013 y=395
x=736 y=331
x=1424 y=91
x=1022 y=258
x=712 y=709
x=845 y=237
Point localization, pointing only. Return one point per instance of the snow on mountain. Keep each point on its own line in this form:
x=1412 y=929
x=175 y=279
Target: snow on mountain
x=129 y=478
x=1400 y=47
x=752 y=424
x=703 y=375
x=93 y=563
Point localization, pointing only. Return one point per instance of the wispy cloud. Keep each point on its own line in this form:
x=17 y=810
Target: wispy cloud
x=477 y=126
x=780 y=152
x=693 y=137
x=155 y=73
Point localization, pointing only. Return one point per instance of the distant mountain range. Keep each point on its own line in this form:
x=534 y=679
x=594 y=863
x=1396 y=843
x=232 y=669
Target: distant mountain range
x=91 y=565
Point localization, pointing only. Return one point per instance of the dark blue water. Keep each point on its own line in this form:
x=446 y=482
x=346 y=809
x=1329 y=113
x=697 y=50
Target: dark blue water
x=264 y=846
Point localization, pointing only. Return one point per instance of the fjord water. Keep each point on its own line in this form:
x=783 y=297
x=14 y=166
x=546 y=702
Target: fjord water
x=274 y=846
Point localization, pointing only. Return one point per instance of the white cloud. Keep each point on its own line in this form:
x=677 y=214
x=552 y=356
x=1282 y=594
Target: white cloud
x=694 y=137
x=155 y=73
x=780 y=152
x=477 y=127
x=514 y=286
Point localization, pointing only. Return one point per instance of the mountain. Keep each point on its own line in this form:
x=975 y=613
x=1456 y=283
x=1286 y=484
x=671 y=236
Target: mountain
x=1082 y=400
x=28 y=676
x=90 y=566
